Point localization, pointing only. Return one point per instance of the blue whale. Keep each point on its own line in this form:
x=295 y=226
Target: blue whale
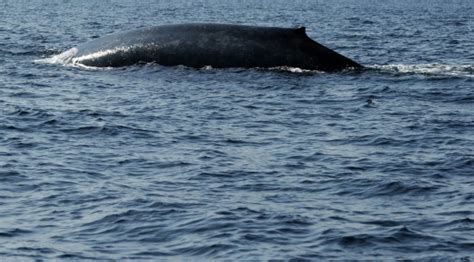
x=215 y=45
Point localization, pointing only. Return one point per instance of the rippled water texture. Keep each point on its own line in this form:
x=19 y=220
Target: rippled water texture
x=152 y=163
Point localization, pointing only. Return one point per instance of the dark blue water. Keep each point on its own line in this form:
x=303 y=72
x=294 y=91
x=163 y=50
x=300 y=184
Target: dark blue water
x=163 y=163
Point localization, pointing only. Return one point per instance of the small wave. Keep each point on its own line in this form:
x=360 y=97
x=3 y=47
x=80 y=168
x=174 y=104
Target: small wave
x=13 y=232
x=397 y=237
x=428 y=69
x=399 y=188
x=211 y=249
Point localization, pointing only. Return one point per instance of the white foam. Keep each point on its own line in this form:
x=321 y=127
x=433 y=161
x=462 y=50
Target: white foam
x=296 y=70
x=64 y=58
x=429 y=69
x=207 y=67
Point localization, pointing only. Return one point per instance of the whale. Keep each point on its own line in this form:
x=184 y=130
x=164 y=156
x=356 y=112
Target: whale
x=201 y=45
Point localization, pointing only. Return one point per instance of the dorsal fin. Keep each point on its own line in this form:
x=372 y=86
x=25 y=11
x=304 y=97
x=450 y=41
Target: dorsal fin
x=301 y=30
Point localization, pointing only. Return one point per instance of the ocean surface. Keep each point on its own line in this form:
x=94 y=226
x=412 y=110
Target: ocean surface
x=156 y=163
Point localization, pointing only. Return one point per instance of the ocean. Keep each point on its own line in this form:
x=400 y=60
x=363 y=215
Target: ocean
x=155 y=163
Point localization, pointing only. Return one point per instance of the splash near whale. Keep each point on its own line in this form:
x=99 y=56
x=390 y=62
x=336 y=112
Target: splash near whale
x=215 y=45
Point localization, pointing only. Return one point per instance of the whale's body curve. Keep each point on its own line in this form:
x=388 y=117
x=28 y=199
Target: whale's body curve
x=216 y=45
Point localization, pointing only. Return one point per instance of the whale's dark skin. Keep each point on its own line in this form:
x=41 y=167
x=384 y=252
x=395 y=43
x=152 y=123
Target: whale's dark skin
x=216 y=45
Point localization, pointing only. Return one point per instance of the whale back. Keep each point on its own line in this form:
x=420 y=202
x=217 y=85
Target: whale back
x=217 y=45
